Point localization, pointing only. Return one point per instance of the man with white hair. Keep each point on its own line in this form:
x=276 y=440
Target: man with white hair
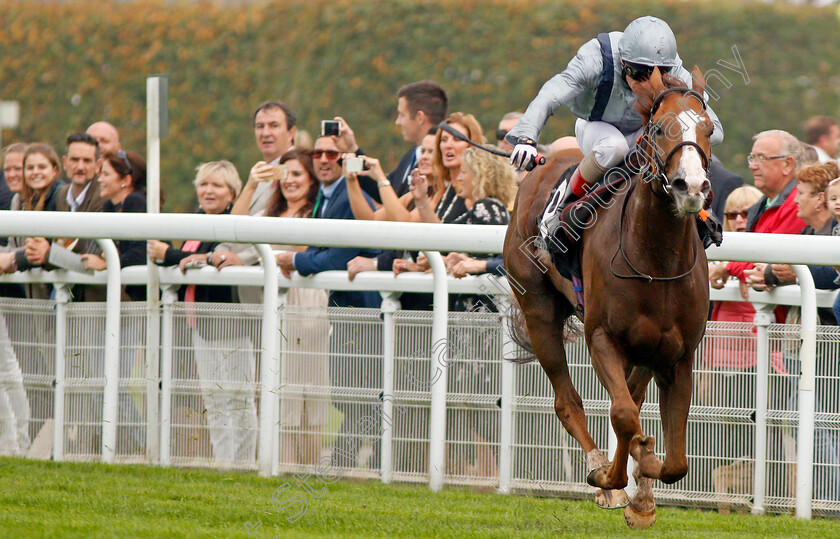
x=773 y=161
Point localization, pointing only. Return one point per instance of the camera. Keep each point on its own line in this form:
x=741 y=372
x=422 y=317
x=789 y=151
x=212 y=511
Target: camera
x=353 y=164
x=330 y=128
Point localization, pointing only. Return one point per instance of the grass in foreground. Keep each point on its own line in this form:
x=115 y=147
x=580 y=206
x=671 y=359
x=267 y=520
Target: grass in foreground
x=47 y=499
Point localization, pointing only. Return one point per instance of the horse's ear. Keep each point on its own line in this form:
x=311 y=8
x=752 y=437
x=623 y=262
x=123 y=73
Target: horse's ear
x=656 y=83
x=698 y=81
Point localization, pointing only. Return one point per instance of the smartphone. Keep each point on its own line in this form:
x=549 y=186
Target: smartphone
x=330 y=128
x=353 y=164
x=281 y=172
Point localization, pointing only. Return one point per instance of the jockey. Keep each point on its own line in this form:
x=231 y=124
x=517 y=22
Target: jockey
x=600 y=86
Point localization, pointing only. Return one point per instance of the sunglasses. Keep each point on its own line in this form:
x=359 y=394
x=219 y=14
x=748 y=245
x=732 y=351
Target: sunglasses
x=121 y=155
x=501 y=134
x=332 y=155
x=641 y=73
x=735 y=214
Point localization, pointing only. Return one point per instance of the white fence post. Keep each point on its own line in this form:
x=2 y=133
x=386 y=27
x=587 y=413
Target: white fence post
x=269 y=363
x=169 y=294
x=439 y=364
x=155 y=93
x=62 y=297
x=508 y=375
x=111 y=391
x=390 y=305
x=807 y=381
x=763 y=319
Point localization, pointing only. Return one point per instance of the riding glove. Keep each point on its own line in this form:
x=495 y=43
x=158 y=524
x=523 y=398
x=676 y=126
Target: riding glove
x=524 y=156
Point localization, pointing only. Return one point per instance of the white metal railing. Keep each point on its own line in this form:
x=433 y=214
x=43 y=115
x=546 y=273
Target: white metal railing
x=796 y=250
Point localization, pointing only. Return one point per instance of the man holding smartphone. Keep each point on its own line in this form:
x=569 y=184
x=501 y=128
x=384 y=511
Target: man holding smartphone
x=420 y=106
x=275 y=125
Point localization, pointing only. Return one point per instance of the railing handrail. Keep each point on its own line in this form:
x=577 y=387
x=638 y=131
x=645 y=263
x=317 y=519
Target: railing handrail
x=737 y=246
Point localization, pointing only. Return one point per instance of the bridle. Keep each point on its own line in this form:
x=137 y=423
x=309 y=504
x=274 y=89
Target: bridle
x=656 y=169
x=657 y=173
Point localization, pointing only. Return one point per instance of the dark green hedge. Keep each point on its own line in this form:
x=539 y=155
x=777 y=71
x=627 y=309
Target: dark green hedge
x=72 y=63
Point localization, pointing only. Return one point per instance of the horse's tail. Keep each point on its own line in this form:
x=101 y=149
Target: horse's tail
x=515 y=321
x=518 y=331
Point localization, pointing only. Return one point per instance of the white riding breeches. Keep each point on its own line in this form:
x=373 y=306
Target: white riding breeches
x=604 y=140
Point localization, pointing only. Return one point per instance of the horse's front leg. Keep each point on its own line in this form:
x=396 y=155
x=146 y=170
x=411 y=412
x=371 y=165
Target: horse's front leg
x=675 y=399
x=611 y=366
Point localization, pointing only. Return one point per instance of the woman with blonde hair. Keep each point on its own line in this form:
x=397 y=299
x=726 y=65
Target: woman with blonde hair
x=735 y=220
x=224 y=355
x=485 y=182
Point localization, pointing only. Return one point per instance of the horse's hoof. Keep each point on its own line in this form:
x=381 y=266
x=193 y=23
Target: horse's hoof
x=639 y=520
x=611 y=499
x=599 y=478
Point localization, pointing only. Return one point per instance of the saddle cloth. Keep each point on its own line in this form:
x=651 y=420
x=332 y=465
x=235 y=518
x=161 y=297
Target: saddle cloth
x=561 y=231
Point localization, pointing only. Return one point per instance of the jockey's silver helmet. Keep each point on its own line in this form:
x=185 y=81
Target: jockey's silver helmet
x=648 y=41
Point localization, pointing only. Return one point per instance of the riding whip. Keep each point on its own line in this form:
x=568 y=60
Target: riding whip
x=539 y=160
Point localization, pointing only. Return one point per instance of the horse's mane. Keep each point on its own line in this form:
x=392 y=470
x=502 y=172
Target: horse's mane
x=644 y=104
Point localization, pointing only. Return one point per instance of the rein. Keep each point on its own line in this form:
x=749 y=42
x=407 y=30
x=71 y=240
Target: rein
x=658 y=173
x=636 y=273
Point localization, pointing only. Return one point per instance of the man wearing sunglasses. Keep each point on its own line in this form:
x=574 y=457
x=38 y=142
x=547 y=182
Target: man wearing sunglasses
x=600 y=86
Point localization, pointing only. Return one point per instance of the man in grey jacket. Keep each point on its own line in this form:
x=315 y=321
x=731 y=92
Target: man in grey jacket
x=600 y=86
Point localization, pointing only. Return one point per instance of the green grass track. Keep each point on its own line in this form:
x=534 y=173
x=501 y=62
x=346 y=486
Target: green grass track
x=47 y=499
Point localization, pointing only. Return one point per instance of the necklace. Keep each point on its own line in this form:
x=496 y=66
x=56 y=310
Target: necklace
x=448 y=208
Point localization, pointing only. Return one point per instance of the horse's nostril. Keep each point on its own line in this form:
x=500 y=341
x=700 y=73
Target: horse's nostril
x=679 y=185
x=707 y=186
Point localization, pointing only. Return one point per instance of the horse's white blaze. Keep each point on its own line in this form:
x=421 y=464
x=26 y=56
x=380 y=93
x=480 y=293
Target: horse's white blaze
x=691 y=164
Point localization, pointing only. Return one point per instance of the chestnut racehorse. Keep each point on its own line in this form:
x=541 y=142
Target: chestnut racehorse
x=646 y=298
